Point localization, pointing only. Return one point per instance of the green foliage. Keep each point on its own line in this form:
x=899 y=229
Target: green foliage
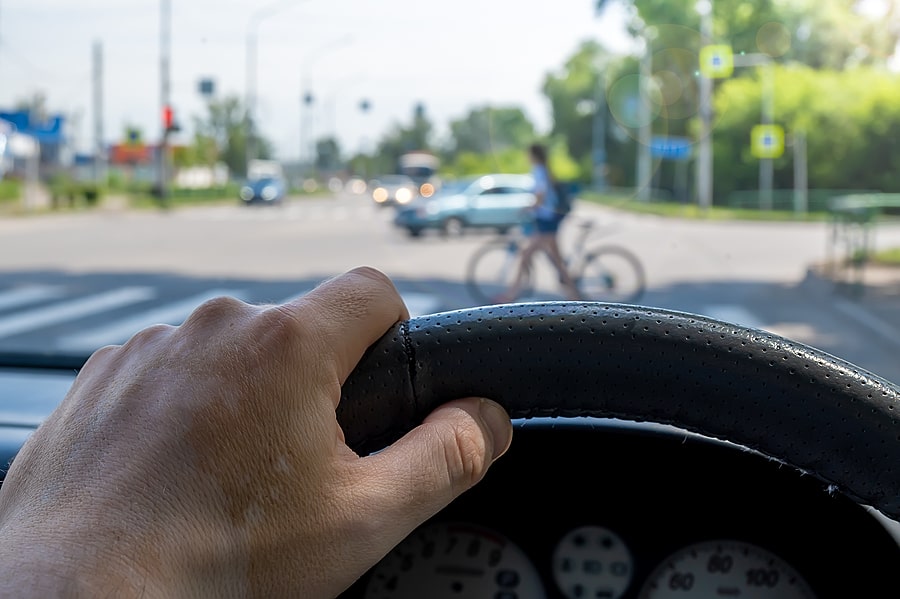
x=491 y=129
x=509 y=160
x=328 y=154
x=10 y=190
x=573 y=93
x=402 y=139
x=851 y=120
x=222 y=133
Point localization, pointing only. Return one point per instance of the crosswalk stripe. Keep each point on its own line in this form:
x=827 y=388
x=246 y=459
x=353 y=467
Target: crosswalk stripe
x=20 y=296
x=121 y=330
x=70 y=310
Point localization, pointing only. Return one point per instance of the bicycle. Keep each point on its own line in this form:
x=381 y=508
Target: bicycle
x=609 y=272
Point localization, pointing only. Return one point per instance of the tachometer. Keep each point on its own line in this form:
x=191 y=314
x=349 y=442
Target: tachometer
x=725 y=568
x=592 y=561
x=453 y=560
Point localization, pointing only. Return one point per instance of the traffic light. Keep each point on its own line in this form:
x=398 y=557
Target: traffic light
x=168 y=118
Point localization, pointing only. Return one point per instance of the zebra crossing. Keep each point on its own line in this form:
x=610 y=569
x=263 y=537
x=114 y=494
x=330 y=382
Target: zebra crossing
x=77 y=317
x=70 y=319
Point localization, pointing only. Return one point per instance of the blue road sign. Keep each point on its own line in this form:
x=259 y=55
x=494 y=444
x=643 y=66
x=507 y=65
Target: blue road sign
x=671 y=148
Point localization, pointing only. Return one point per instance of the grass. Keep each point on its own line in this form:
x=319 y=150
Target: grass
x=888 y=257
x=693 y=211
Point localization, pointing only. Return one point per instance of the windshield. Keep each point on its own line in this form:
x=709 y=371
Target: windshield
x=744 y=152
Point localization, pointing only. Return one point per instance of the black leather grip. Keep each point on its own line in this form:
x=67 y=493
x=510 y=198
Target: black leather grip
x=784 y=399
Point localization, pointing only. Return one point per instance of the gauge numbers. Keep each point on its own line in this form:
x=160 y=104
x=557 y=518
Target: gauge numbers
x=458 y=561
x=725 y=569
x=592 y=561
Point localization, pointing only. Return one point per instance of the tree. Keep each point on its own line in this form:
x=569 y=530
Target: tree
x=328 y=154
x=488 y=129
x=402 y=139
x=224 y=124
x=594 y=83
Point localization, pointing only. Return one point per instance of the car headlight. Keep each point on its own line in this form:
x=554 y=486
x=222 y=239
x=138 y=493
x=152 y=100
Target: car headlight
x=380 y=194
x=269 y=192
x=246 y=194
x=403 y=196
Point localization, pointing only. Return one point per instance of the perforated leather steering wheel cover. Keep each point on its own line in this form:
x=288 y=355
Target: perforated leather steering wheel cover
x=784 y=399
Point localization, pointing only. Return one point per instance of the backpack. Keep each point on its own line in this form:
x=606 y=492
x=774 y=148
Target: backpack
x=565 y=197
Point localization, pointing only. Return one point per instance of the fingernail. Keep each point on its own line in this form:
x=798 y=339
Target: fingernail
x=500 y=425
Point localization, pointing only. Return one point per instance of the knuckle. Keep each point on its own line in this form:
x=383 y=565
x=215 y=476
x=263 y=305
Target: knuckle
x=372 y=274
x=150 y=334
x=214 y=311
x=465 y=452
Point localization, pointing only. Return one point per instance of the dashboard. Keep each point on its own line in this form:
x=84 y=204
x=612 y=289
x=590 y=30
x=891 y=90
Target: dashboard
x=613 y=509
x=605 y=508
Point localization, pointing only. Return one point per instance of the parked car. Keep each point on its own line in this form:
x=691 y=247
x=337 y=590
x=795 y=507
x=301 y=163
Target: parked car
x=394 y=190
x=494 y=201
x=264 y=190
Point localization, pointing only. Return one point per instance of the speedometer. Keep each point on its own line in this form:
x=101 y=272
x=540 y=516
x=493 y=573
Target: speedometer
x=725 y=569
x=454 y=560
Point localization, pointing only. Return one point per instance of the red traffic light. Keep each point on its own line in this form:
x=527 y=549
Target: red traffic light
x=168 y=118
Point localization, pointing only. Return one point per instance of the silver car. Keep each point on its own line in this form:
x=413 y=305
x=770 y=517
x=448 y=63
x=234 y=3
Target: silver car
x=494 y=201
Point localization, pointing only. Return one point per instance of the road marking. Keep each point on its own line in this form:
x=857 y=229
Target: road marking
x=734 y=314
x=121 y=330
x=873 y=323
x=29 y=295
x=70 y=310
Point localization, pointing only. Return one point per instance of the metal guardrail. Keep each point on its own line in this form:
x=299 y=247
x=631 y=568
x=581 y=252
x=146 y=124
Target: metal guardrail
x=851 y=241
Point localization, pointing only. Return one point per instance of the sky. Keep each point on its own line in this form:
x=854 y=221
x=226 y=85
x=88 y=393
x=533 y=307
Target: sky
x=449 y=56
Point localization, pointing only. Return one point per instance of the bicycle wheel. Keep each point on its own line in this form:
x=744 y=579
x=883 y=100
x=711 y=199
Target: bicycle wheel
x=491 y=270
x=611 y=274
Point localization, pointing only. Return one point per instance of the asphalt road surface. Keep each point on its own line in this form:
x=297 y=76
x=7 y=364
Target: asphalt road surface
x=76 y=282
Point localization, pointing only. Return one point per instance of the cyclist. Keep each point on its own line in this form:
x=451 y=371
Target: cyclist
x=542 y=231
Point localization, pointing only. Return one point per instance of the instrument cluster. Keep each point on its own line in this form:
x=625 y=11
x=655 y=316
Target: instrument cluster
x=614 y=510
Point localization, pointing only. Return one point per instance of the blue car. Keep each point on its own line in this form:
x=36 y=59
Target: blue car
x=264 y=190
x=496 y=201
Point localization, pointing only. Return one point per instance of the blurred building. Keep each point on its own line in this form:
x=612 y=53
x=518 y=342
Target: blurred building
x=33 y=136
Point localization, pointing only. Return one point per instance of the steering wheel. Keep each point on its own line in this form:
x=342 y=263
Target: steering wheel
x=789 y=401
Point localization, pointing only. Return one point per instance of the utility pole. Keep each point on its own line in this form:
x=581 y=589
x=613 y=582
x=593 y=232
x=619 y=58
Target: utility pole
x=598 y=137
x=99 y=162
x=165 y=97
x=766 y=165
x=704 y=149
x=644 y=158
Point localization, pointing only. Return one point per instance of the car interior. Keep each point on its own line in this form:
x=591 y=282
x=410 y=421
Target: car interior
x=636 y=469
x=657 y=453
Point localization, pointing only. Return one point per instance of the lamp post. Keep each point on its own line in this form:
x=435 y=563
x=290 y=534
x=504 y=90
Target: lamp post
x=252 y=42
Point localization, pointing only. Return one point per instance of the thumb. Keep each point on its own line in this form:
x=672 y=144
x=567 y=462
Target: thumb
x=434 y=463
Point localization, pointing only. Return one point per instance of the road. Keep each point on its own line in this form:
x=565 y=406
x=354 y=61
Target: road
x=74 y=282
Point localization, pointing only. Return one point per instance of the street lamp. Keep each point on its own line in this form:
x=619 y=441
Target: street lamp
x=252 y=31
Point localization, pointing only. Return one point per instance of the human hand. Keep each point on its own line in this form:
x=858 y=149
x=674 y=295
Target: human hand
x=206 y=459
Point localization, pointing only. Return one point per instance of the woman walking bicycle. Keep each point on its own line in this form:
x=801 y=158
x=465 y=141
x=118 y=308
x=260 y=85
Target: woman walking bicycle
x=543 y=230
